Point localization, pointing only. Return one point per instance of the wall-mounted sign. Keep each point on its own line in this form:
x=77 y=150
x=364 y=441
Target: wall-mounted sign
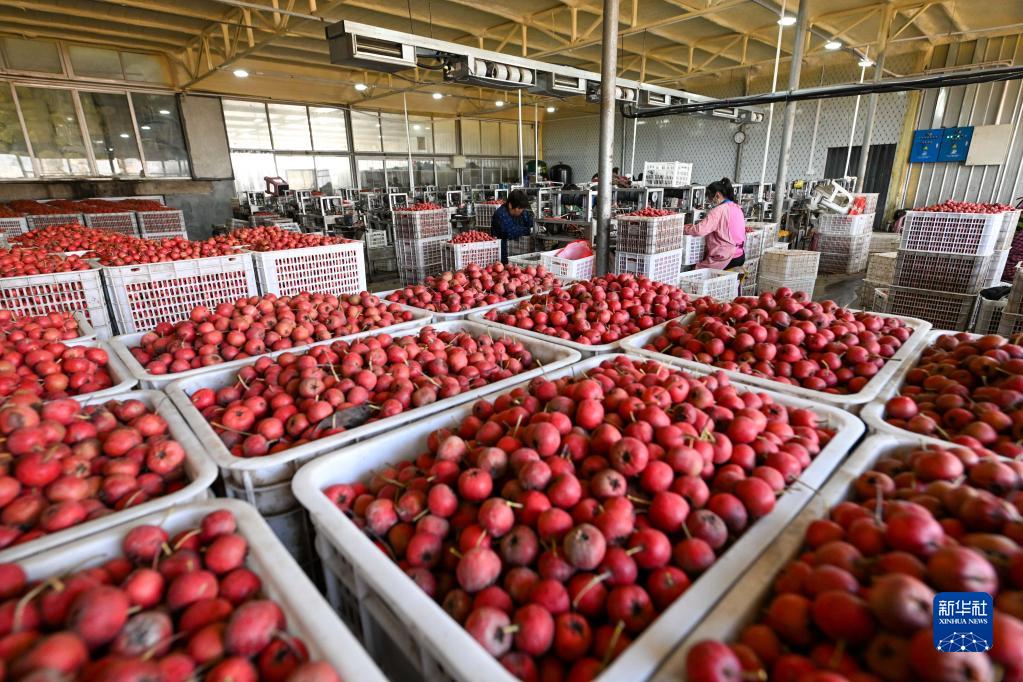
x=955 y=144
x=926 y=146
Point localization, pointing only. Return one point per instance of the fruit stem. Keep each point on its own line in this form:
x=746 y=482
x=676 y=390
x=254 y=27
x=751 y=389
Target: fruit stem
x=619 y=626
x=226 y=428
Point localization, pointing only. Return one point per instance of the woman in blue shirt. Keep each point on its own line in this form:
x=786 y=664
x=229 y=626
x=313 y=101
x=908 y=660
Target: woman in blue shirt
x=512 y=220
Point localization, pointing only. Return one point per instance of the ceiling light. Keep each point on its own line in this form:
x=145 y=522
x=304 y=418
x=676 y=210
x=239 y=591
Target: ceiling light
x=145 y=128
x=787 y=20
x=499 y=103
x=361 y=87
x=833 y=45
x=71 y=118
x=164 y=112
x=241 y=73
x=125 y=135
x=437 y=95
x=417 y=127
x=551 y=110
x=865 y=62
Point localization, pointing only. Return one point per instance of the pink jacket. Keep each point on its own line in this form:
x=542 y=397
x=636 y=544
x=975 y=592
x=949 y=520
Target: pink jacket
x=724 y=226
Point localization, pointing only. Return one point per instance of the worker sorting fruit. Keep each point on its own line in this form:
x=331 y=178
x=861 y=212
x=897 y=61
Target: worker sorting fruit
x=512 y=220
x=724 y=227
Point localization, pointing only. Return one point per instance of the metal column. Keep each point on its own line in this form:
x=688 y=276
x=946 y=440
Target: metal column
x=790 y=109
x=608 y=68
x=868 y=123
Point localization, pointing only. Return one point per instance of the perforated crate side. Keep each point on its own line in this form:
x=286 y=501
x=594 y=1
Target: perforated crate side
x=667 y=173
x=484 y=214
x=841 y=244
x=336 y=268
x=80 y=290
x=994 y=266
x=753 y=247
x=12 y=227
x=1015 y=302
x=720 y=284
x=848 y=225
x=1008 y=231
x=660 y=267
x=36 y=222
x=522 y=245
x=142 y=296
x=989 y=316
x=1010 y=324
x=161 y=224
x=457 y=256
x=881 y=267
x=122 y=223
x=693 y=249
x=568 y=269
x=420 y=254
x=940 y=271
x=943 y=310
x=780 y=264
x=650 y=234
x=883 y=242
x=971 y=234
x=421 y=224
x=842 y=263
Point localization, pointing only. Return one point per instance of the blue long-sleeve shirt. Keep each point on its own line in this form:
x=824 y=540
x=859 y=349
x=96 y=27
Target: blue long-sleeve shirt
x=505 y=226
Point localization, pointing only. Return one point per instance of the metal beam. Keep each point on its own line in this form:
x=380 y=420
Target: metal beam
x=790 y=110
x=608 y=65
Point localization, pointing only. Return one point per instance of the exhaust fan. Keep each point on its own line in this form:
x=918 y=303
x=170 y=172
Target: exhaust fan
x=489 y=74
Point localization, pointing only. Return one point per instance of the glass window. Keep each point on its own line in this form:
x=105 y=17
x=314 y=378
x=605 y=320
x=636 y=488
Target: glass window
x=510 y=139
x=333 y=173
x=491 y=171
x=95 y=62
x=111 y=133
x=371 y=172
x=246 y=123
x=250 y=168
x=289 y=126
x=446 y=175
x=471 y=174
x=54 y=131
x=424 y=172
x=366 y=131
x=470 y=136
x=14 y=159
x=392 y=126
x=528 y=140
x=444 y=135
x=397 y=173
x=330 y=131
x=32 y=55
x=147 y=68
x=421 y=132
x=162 y=140
x=298 y=170
x=490 y=137
x=510 y=171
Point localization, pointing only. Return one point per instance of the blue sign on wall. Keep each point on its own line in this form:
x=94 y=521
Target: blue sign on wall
x=926 y=146
x=955 y=144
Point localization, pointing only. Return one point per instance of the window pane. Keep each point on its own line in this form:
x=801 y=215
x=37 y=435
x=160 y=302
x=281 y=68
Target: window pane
x=333 y=173
x=421 y=131
x=424 y=172
x=14 y=159
x=95 y=62
x=298 y=170
x=397 y=173
x=393 y=128
x=32 y=55
x=160 y=130
x=250 y=168
x=366 y=131
x=330 y=131
x=53 y=130
x=510 y=171
x=111 y=133
x=246 y=124
x=444 y=135
x=490 y=134
x=289 y=126
x=510 y=139
x=471 y=173
x=446 y=175
x=144 y=67
x=470 y=136
x=371 y=172
x=491 y=171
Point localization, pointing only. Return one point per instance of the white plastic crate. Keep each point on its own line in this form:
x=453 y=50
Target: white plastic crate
x=122 y=223
x=881 y=267
x=520 y=246
x=848 y=225
x=989 y=316
x=142 y=296
x=334 y=269
x=1010 y=324
x=650 y=234
x=842 y=263
x=161 y=224
x=971 y=234
x=783 y=264
x=1008 y=230
x=437 y=646
x=12 y=227
x=527 y=259
x=772 y=284
x=855 y=245
x=307 y=614
x=667 y=173
x=753 y=247
x=76 y=291
x=660 y=267
x=693 y=249
x=421 y=254
x=199 y=470
x=567 y=269
x=871 y=201
x=940 y=271
x=995 y=268
x=421 y=224
x=942 y=309
x=872 y=297
x=37 y=221
x=884 y=242
x=484 y=214
x=721 y=284
x=457 y=256
x=375 y=239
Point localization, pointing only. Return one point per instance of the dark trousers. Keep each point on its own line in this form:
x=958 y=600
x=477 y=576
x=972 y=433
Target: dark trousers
x=736 y=262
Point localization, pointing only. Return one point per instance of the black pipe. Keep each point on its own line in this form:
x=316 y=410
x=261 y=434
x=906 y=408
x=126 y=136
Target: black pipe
x=925 y=82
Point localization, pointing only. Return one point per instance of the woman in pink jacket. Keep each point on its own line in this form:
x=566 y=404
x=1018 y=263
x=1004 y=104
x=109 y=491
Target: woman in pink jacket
x=724 y=227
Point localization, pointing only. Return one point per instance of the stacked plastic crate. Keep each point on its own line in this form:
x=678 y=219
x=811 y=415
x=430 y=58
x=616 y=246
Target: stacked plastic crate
x=759 y=236
x=844 y=242
x=794 y=269
x=884 y=242
x=996 y=264
x=419 y=238
x=941 y=266
x=651 y=245
x=1011 y=322
x=873 y=290
x=667 y=173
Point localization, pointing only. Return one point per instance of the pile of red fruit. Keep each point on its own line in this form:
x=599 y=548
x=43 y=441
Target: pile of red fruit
x=471 y=236
x=857 y=603
x=31 y=207
x=649 y=213
x=274 y=238
x=8 y=212
x=787 y=338
x=421 y=206
x=965 y=207
x=475 y=286
x=98 y=206
x=144 y=205
x=965 y=390
x=17 y=262
x=64 y=464
x=278 y=404
x=70 y=237
x=49 y=370
x=50 y=328
x=169 y=609
x=135 y=251
x=257 y=325
x=601 y=310
x=556 y=523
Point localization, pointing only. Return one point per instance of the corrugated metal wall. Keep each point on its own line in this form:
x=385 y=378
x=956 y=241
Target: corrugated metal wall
x=983 y=104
